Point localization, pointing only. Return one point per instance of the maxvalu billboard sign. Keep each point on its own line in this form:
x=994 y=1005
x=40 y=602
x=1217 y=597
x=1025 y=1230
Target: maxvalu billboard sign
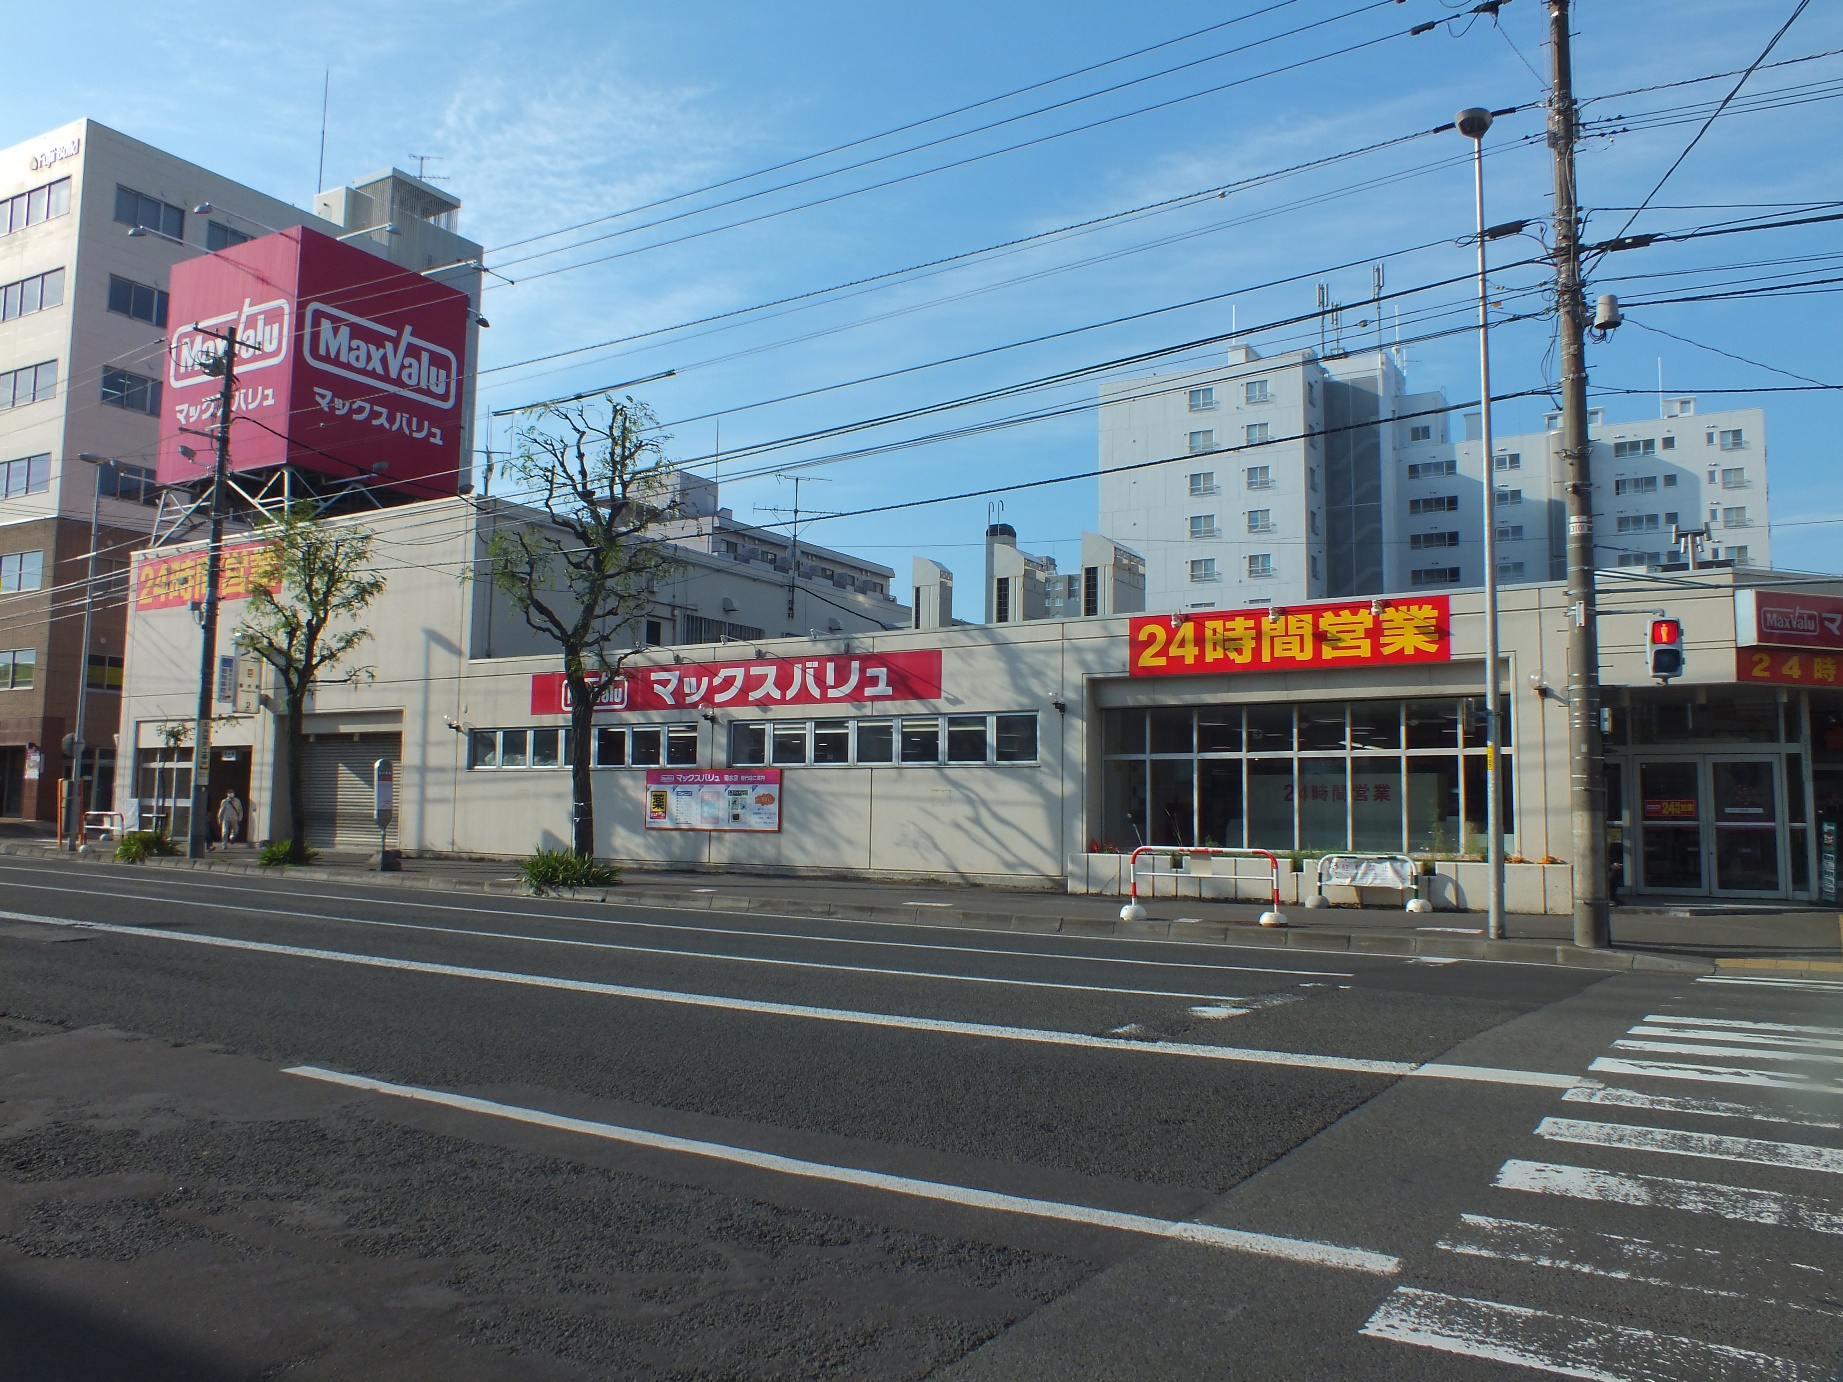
x=344 y=362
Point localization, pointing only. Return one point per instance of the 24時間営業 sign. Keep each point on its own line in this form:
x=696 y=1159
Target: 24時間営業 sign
x=1348 y=633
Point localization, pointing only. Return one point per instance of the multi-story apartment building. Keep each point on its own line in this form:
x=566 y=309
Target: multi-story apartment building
x=91 y=224
x=1266 y=481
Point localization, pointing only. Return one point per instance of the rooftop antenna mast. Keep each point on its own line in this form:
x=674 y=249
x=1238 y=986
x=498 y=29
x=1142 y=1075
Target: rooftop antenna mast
x=1375 y=292
x=422 y=165
x=326 y=97
x=793 y=529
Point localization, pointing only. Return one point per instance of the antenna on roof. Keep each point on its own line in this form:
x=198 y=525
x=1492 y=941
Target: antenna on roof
x=326 y=97
x=422 y=163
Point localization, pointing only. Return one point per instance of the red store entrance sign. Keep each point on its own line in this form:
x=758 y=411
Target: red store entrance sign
x=845 y=679
x=1352 y=633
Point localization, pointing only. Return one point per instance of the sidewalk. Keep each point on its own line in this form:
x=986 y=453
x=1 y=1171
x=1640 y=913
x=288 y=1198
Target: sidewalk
x=1788 y=939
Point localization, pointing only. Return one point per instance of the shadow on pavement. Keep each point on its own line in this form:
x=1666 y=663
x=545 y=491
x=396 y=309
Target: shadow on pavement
x=43 y=1336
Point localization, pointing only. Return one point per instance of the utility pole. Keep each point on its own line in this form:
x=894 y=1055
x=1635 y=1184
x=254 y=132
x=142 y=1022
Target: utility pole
x=793 y=539
x=1587 y=774
x=198 y=831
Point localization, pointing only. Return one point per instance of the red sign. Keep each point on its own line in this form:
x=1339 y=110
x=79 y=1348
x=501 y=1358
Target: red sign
x=1789 y=621
x=346 y=365
x=166 y=582
x=845 y=679
x=1779 y=668
x=1353 y=633
x=1670 y=808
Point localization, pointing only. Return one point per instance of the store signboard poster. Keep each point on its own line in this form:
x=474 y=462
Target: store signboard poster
x=713 y=799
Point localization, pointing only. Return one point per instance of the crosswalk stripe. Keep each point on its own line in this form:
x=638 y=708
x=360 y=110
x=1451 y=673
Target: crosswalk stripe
x=1565 y=1344
x=1735 y=1024
x=1666 y=1192
x=1756 y=1151
x=1593 y=1092
x=1711 y=1074
x=1805 y=985
x=1585 y=1250
x=1777 y=1040
x=1679 y=1048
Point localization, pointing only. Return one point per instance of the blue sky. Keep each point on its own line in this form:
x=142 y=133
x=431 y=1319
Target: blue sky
x=548 y=115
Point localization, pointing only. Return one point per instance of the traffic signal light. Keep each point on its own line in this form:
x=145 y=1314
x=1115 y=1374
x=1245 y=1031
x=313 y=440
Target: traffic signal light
x=1664 y=649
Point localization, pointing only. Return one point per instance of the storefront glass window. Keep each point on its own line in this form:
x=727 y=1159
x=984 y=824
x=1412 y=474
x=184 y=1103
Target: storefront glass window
x=1016 y=738
x=644 y=749
x=1433 y=724
x=611 y=749
x=1321 y=728
x=1375 y=805
x=921 y=741
x=831 y=741
x=1323 y=810
x=876 y=741
x=483 y=748
x=966 y=739
x=1270 y=728
x=1478 y=800
x=790 y=743
x=1219 y=809
x=1123 y=823
x=544 y=745
x=1123 y=731
x=1270 y=803
x=512 y=748
x=1173 y=801
x=1433 y=803
x=1219 y=730
x=1375 y=725
x=1171 y=732
x=681 y=745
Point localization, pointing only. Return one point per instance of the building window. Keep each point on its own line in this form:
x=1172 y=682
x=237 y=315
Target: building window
x=1511 y=532
x=1420 y=431
x=137 y=394
x=1738 y=555
x=1432 y=470
x=1203 y=569
x=1734 y=518
x=31 y=295
x=1260 y=477
x=1312 y=522
x=921 y=740
x=1670 y=443
x=1091 y=590
x=1006 y=738
x=1203 y=525
x=1434 y=575
x=1508 y=460
x=1670 y=481
x=1260 y=520
x=1202 y=400
x=1670 y=519
x=105 y=673
x=1001 y=600
x=1636 y=523
x=21 y=571
x=1733 y=440
x=1202 y=482
x=1623 y=450
x=134 y=483
x=699 y=629
x=789 y=742
x=1510 y=496
x=1421 y=542
x=1510 y=570
x=39 y=204
x=1637 y=484
x=1260 y=565
x=654 y=632
x=222 y=237
x=1735 y=477
x=1259 y=433
x=1439 y=503
x=1255 y=391
x=966 y=739
x=1679 y=407
x=32 y=384
x=18 y=667
x=136 y=209
x=28 y=475
x=137 y=300
x=1204 y=440
x=1312 y=565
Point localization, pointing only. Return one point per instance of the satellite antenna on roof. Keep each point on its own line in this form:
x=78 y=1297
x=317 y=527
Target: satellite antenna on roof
x=422 y=163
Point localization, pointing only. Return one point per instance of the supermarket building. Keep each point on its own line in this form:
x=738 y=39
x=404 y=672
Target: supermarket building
x=1029 y=754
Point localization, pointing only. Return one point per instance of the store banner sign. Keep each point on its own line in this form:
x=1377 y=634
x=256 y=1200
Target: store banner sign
x=1788 y=621
x=1353 y=633
x=845 y=679
x=713 y=799
x=1356 y=872
x=1776 y=667
x=1671 y=809
x=168 y=582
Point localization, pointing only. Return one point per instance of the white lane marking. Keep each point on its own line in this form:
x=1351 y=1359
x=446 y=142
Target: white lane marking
x=1774 y=1040
x=1040 y=1036
x=1767 y=981
x=1799 y=1156
x=1594 y=1093
x=1455 y=930
x=1734 y=1024
x=1432 y=960
x=729 y=932
x=1678 y=1048
x=1584 y=1250
x=1235 y=1240
x=1666 y=1192
x=1565 y=1344
x=1710 y=1074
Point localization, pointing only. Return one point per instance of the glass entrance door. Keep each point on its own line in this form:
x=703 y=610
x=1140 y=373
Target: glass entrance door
x=1744 y=795
x=1670 y=825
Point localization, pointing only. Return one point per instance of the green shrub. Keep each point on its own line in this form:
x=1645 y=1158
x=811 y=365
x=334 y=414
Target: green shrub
x=279 y=852
x=137 y=845
x=552 y=870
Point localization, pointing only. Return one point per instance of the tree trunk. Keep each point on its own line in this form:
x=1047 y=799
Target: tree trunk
x=297 y=787
x=582 y=750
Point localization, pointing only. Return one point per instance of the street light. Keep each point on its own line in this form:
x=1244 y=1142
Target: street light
x=391 y=229
x=73 y=805
x=137 y=232
x=1472 y=123
x=209 y=209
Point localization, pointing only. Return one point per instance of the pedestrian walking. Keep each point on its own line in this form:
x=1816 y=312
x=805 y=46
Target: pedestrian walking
x=230 y=817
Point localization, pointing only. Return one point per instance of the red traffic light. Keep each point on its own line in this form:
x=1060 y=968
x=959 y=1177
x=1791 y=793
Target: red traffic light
x=1666 y=632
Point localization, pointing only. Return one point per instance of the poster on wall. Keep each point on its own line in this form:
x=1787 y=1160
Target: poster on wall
x=713 y=799
x=1355 y=633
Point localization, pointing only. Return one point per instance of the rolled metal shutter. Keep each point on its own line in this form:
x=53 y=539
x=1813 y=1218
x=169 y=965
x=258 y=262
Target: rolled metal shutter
x=337 y=776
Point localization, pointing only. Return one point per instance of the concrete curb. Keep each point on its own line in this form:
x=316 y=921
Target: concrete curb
x=1246 y=933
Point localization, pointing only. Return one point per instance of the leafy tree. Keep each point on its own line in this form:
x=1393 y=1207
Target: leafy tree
x=586 y=573
x=318 y=576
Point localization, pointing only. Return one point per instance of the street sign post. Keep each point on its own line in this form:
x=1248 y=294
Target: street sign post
x=384 y=805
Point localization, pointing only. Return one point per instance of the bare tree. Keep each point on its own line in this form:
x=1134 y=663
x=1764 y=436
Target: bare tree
x=587 y=573
x=317 y=576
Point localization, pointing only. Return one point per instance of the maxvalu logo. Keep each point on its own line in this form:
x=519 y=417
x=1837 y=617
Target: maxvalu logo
x=262 y=340
x=1794 y=620
x=398 y=361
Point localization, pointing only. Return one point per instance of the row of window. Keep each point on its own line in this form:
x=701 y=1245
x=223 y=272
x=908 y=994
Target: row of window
x=31 y=207
x=27 y=475
x=1432 y=470
x=105 y=672
x=1256 y=433
x=1203 y=482
x=33 y=294
x=1434 y=575
x=645 y=746
x=1253 y=391
x=137 y=300
x=134 y=483
x=31 y=384
x=18 y=668
x=1203 y=525
x=222 y=237
x=1260 y=566
x=134 y=208
x=21 y=571
x=1420 y=542
x=1439 y=723
x=914 y=739
x=136 y=393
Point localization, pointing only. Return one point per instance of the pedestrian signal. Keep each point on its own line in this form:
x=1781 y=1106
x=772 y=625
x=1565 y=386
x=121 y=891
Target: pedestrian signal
x=1664 y=649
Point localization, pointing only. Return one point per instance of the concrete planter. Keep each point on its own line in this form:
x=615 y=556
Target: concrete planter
x=1461 y=886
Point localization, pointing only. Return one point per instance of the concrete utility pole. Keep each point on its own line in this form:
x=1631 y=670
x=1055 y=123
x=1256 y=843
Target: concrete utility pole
x=1587 y=773
x=198 y=831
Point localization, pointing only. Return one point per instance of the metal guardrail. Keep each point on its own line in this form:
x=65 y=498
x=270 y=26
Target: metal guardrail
x=1132 y=911
x=102 y=825
x=1413 y=902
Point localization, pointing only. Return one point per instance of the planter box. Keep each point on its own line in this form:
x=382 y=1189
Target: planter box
x=1462 y=885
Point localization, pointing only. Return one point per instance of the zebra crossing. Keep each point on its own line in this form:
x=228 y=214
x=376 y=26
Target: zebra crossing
x=1678 y=1219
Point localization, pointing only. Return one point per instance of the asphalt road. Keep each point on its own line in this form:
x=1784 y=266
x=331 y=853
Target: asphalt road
x=265 y=1128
